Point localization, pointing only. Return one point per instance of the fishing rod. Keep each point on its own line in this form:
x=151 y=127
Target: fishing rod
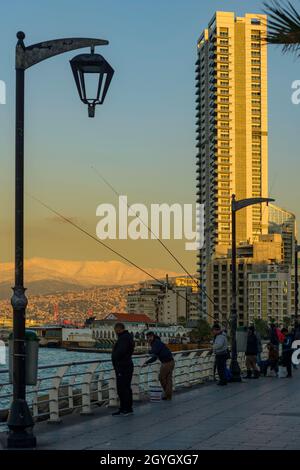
x=84 y=231
x=202 y=289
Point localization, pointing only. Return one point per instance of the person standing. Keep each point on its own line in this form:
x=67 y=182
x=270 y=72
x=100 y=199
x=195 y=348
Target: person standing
x=251 y=354
x=287 y=351
x=259 y=347
x=273 y=336
x=161 y=352
x=123 y=365
x=220 y=349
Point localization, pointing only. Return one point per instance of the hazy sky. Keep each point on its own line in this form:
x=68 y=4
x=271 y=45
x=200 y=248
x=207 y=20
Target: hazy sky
x=143 y=137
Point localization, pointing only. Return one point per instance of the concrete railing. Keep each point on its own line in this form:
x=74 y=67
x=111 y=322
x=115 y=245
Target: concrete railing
x=81 y=386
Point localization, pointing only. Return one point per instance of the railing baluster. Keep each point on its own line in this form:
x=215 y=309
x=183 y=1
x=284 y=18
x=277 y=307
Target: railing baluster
x=113 y=399
x=54 y=395
x=86 y=390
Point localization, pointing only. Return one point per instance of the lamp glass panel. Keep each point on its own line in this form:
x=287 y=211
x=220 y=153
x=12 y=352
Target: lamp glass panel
x=91 y=85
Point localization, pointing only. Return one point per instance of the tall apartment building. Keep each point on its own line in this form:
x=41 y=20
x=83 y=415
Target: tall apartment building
x=232 y=131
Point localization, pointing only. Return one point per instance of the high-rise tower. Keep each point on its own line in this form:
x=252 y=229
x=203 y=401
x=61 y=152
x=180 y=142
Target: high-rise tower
x=232 y=132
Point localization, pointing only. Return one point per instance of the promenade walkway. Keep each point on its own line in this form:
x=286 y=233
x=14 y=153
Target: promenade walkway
x=255 y=414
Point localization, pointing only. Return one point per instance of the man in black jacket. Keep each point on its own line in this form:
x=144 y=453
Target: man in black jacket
x=251 y=354
x=123 y=365
x=161 y=352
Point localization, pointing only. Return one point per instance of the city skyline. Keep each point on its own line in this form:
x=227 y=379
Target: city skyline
x=135 y=127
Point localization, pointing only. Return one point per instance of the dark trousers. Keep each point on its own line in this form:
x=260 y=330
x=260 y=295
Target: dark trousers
x=166 y=378
x=124 y=378
x=287 y=361
x=221 y=367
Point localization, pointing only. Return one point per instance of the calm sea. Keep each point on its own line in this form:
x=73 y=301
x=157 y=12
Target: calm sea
x=47 y=356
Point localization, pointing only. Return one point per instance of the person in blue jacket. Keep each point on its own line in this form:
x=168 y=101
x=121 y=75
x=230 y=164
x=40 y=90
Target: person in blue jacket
x=287 y=351
x=161 y=352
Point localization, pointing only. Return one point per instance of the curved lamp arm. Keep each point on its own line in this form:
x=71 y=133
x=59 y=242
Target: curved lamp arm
x=28 y=56
x=237 y=205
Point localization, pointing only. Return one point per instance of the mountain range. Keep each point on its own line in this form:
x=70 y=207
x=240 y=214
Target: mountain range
x=45 y=276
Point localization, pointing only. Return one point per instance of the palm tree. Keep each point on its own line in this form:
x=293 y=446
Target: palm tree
x=283 y=26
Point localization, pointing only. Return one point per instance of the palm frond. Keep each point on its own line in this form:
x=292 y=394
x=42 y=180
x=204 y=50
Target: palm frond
x=283 y=25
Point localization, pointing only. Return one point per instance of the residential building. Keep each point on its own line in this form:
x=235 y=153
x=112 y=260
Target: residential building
x=232 y=132
x=263 y=254
x=269 y=296
x=168 y=304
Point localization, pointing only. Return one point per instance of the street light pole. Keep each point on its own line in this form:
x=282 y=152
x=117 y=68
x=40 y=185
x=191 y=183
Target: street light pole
x=297 y=249
x=234 y=366
x=236 y=206
x=20 y=418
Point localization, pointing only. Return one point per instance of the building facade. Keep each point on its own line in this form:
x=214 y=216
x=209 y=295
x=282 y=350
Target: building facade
x=263 y=255
x=269 y=296
x=138 y=325
x=232 y=132
x=284 y=222
x=168 y=304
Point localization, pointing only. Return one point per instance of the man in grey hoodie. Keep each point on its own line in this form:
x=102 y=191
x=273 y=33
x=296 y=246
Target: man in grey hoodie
x=220 y=349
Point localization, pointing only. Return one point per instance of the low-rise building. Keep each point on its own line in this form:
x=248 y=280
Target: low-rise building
x=138 y=325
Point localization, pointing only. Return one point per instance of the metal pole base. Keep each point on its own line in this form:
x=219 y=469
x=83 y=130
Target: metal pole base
x=21 y=440
x=235 y=371
x=19 y=419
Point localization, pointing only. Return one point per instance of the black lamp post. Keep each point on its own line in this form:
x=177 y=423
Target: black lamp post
x=20 y=420
x=297 y=250
x=236 y=206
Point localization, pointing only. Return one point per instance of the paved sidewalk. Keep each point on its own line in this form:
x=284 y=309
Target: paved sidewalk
x=257 y=414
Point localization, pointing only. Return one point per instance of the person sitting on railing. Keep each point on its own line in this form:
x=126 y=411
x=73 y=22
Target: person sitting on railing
x=123 y=365
x=160 y=351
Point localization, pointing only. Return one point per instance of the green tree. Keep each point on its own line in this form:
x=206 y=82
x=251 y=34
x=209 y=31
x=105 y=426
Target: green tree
x=287 y=321
x=261 y=327
x=182 y=321
x=202 y=332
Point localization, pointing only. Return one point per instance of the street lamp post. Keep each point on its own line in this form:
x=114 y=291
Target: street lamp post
x=296 y=282
x=20 y=421
x=236 y=206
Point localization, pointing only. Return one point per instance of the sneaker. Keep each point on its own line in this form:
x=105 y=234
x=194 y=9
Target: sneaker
x=117 y=413
x=222 y=383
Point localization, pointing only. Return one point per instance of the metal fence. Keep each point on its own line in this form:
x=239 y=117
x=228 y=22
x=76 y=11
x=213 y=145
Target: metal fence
x=81 y=386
